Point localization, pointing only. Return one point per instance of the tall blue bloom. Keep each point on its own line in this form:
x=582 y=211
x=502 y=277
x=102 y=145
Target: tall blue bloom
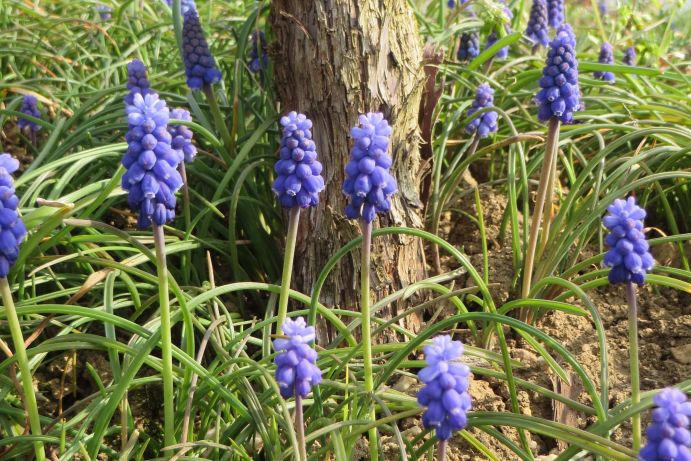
x=152 y=177
x=630 y=56
x=555 y=11
x=485 y=123
x=259 y=57
x=559 y=94
x=181 y=135
x=606 y=57
x=137 y=82
x=104 y=12
x=299 y=179
x=445 y=393
x=537 y=29
x=29 y=107
x=200 y=66
x=368 y=182
x=469 y=47
x=668 y=434
x=296 y=372
x=12 y=230
x=628 y=254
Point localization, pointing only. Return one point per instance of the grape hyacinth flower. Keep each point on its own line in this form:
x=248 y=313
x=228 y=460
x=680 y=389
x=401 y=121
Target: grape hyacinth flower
x=259 y=58
x=555 y=11
x=445 y=393
x=630 y=56
x=537 y=24
x=368 y=182
x=181 y=135
x=602 y=5
x=487 y=122
x=559 y=95
x=200 y=67
x=137 y=82
x=493 y=37
x=567 y=32
x=296 y=372
x=104 y=11
x=628 y=254
x=12 y=230
x=29 y=107
x=152 y=178
x=452 y=3
x=668 y=434
x=469 y=47
x=606 y=57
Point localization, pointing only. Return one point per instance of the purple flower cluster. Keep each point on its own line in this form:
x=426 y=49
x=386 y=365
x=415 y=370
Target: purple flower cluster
x=630 y=56
x=29 y=107
x=602 y=5
x=104 y=11
x=537 y=29
x=152 y=177
x=469 y=47
x=296 y=372
x=259 y=58
x=137 y=82
x=200 y=67
x=559 y=96
x=555 y=12
x=12 y=230
x=487 y=122
x=668 y=435
x=181 y=135
x=628 y=254
x=299 y=178
x=452 y=3
x=493 y=37
x=445 y=393
x=568 y=34
x=368 y=182
x=606 y=57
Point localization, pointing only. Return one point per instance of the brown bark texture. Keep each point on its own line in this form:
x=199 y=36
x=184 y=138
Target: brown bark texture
x=333 y=60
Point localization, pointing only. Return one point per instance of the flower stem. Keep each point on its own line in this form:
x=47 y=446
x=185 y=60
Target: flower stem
x=185 y=263
x=366 y=332
x=300 y=428
x=550 y=157
x=219 y=122
x=23 y=364
x=441 y=450
x=633 y=363
x=166 y=341
x=293 y=221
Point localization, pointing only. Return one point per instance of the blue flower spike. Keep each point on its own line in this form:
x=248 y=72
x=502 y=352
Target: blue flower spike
x=104 y=12
x=12 y=230
x=537 y=29
x=29 y=107
x=668 y=434
x=296 y=369
x=559 y=96
x=485 y=123
x=200 y=66
x=630 y=56
x=555 y=12
x=469 y=47
x=628 y=255
x=368 y=182
x=181 y=141
x=259 y=57
x=606 y=57
x=445 y=393
x=299 y=179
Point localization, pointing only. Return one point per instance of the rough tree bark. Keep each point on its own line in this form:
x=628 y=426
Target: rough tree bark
x=333 y=60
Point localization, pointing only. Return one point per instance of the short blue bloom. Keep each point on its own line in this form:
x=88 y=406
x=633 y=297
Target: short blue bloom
x=493 y=37
x=628 y=254
x=602 y=5
x=200 y=66
x=29 y=107
x=12 y=230
x=630 y=56
x=469 y=47
x=152 y=177
x=606 y=57
x=296 y=372
x=555 y=12
x=485 y=123
x=559 y=96
x=668 y=434
x=445 y=393
x=537 y=29
x=368 y=182
x=299 y=179
x=181 y=141
x=137 y=82
x=104 y=11
x=259 y=57
x=452 y=3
